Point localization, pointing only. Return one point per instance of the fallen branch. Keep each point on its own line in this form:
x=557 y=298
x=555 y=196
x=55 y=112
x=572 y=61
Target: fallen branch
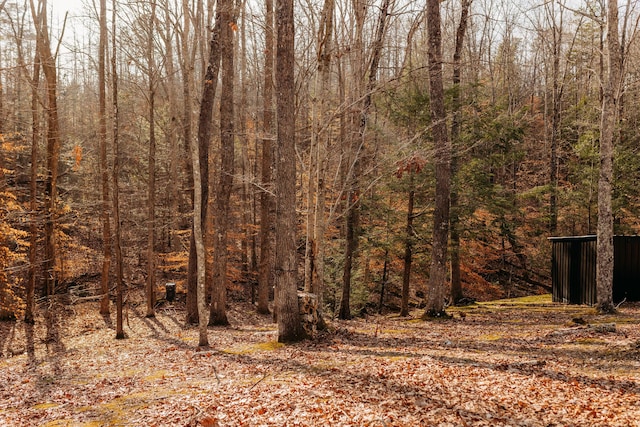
x=259 y=381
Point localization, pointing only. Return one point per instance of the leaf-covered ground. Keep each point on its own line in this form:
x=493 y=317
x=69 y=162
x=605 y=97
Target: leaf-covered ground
x=506 y=363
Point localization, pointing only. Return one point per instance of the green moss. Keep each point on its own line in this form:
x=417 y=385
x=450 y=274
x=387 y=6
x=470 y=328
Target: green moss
x=46 y=405
x=528 y=300
x=248 y=349
x=590 y=341
x=490 y=337
x=268 y=346
x=157 y=375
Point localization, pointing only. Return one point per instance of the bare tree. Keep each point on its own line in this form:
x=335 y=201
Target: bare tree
x=104 y=172
x=454 y=219
x=442 y=144
x=204 y=140
x=115 y=177
x=29 y=313
x=286 y=266
x=151 y=198
x=266 y=197
x=187 y=68
x=49 y=68
x=198 y=229
x=218 y=310
x=316 y=221
x=612 y=93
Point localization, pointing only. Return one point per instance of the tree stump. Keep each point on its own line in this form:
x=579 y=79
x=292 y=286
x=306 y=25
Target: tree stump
x=308 y=308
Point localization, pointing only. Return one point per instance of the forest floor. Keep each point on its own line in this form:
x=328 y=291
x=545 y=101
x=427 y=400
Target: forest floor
x=524 y=362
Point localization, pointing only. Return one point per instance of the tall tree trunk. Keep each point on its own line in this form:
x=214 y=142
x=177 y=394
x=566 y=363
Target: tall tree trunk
x=204 y=138
x=351 y=169
x=286 y=266
x=442 y=145
x=248 y=240
x=49 y=69
x=173 y=193
x=556 y=98
x=198 y=229
x=29 y=313
x=218 y=314
x=609 y=123
x=266 y=198
x=187 y=66
x=104 y=172
x=115 y=177
x=454 y=218
x=151 y=198
x=316 y=246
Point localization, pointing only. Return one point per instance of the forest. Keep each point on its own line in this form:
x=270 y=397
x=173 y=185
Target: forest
x=380 y=155
x=213 y=181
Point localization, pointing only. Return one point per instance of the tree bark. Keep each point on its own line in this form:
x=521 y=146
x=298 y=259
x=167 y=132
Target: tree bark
x=104 y=171
x=608 y=127
x=49 y=69
x=316 y=245
x=173 y=194
x=198 y=238
x=151 y=198
x=286 y=267
x=187 y=81
x=115 y=177
x=29 y=313
x=265 y=282
x=442 y=145
x=204 y=138
x=454 y=216
x=218 y=313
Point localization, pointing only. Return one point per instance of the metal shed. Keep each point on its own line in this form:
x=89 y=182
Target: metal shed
x=573 y=269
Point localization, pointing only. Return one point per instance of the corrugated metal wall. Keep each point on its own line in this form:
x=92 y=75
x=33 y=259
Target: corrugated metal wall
x=573 y=269
x=626 y=270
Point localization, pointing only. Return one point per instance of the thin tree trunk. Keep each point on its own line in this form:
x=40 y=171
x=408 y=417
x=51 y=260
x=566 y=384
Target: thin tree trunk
x=29 y=314
x=173 y=192
x=187 y=71
x=454 y=218
x=104 y=171
x=248 y=241
x=556 y=98
x=383 y=284
x=115 y=176
x=351 y=170
x=286 y=266
x=151 y=198
x=408 y=251
x=352 y=225
x=265 y=282
x=198 y=207
x=218 y=313
x=325 y=49
x=438 y=273
x=204 y=137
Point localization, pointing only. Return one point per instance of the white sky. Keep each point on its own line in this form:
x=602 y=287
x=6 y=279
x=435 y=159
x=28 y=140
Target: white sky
x=61 y=6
